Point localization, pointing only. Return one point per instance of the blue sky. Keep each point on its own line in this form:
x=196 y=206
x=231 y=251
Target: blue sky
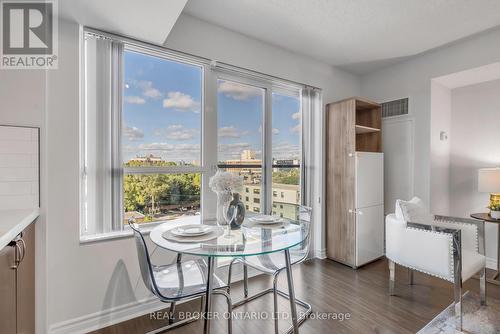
x=162 y=113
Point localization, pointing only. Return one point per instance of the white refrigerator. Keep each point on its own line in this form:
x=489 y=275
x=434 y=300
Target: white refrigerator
x=369 y=203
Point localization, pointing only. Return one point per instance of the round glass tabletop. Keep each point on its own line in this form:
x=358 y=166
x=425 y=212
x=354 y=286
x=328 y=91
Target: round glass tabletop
x=251 y=239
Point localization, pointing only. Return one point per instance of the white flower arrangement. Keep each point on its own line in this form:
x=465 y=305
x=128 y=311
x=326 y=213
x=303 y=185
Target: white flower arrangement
x=225 y=181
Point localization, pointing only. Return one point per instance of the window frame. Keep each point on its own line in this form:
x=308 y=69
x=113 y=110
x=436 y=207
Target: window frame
x=148 y=170
x=270 y=87
x=211 y=72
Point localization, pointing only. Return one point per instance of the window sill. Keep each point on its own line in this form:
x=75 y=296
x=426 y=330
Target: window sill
x=128 y=233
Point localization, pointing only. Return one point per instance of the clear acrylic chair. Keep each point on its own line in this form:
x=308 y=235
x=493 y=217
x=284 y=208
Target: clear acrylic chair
x=171 y=283
x=273 y=264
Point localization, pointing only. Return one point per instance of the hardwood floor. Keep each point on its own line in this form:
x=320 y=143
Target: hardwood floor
x=332 y=287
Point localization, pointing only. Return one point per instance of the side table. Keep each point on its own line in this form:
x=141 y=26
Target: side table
x=487 y=218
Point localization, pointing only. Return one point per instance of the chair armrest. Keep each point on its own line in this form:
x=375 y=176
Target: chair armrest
x=433 y=228
x=456 y=247
x=478 y=224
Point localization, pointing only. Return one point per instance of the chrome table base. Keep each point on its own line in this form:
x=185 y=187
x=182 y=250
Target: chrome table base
x=299 y=302
x=296 y=321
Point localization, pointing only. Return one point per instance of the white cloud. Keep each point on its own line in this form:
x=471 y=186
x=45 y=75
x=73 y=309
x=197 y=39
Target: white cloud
x=146 y=87
x=181 y=102
x=238 y=92
x=174 y=127
x=232 y=151
x=296 y=115
x=176 y=132
x=295 y=129
x=286 y=150
x=183 y=134
x=133 y=133
x=134 y=100
x=148 y=90
x=231 y=132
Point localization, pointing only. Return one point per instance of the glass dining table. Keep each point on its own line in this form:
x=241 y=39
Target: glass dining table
x=251 y=239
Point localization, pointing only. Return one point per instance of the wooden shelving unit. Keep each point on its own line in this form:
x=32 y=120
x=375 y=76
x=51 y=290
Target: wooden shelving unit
x=368 y=124
x=353 y=125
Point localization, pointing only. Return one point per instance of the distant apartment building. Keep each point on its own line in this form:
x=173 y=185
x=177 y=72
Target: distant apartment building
x=285 y=198
x=248 y=155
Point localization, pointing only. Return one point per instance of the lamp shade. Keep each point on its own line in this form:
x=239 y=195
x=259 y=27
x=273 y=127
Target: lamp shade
x=489 y=180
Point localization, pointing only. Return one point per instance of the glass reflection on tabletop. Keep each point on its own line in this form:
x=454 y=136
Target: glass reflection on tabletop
x=250 y=239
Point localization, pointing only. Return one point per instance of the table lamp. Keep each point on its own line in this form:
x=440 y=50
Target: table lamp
x=489 y=182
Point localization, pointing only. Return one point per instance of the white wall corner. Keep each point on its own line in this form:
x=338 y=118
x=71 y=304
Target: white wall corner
x=320 y=253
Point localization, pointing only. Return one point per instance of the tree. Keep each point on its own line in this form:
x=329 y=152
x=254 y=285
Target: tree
x=290 y=176
x=155 y=186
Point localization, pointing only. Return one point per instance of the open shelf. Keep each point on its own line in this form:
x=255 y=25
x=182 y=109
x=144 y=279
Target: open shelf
x=360 y=129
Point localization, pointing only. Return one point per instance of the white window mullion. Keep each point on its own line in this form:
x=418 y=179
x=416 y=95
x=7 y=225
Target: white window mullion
x=116 y=136
x=209 y=143
x=267 y=158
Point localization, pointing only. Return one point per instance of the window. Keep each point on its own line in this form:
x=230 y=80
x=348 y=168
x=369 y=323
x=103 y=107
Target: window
x=240 y=111
x=286 y=149
x=148 y=147
x=142 y=128
x=161 y=131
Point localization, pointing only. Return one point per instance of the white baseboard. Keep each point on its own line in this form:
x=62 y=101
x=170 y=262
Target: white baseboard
x=320 y=253
x=115 y=315
x=95 y=321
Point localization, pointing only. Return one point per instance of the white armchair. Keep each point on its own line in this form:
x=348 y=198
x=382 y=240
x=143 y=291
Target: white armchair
x=446 y=247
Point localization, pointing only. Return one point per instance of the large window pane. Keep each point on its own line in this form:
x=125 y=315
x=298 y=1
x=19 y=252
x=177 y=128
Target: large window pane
x=240 y=111
x=161 y=120
x=161 y=197
x=286 y=120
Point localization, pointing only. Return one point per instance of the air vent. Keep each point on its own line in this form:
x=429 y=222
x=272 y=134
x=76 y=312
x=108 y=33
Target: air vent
x=395 y=108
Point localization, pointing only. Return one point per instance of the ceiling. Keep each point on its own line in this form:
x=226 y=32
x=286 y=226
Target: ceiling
x=357 y=35
x=151 y=22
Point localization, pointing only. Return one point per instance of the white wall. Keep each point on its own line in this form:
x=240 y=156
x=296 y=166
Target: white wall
x=91 y=285
x=200 y=38
x=475 y=130
x=23 y=102
x=440 y=148
x=412 y=78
